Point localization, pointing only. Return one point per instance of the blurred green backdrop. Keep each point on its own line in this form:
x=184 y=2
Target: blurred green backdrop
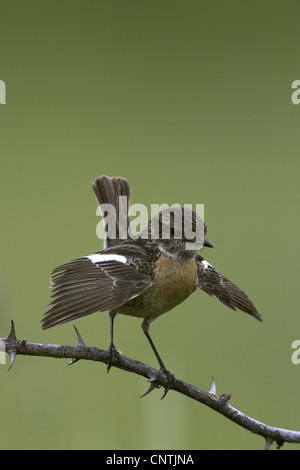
x=191 y=102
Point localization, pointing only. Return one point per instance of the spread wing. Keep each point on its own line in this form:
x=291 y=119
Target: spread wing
x=220 y=288
x=98 y=282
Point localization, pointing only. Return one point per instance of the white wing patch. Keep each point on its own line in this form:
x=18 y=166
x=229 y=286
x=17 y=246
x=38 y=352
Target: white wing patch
x=206 y=264
x=98 y=258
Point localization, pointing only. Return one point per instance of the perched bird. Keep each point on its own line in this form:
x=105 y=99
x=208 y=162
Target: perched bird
x=142 y=277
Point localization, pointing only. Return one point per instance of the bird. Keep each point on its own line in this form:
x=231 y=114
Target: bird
x=141 y=276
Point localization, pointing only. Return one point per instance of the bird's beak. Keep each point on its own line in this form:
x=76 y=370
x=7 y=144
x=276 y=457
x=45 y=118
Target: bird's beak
x=208 y=244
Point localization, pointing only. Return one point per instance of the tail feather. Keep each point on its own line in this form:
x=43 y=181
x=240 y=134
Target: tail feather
x=116 y=193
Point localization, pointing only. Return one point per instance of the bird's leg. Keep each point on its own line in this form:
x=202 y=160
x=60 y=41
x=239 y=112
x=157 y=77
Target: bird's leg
x=112 y=349
x=162 y=367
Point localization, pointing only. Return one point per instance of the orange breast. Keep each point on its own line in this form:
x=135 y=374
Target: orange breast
x=175 y=281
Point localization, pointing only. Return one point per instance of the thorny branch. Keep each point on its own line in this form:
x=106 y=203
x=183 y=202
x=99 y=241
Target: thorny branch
x=218 y=403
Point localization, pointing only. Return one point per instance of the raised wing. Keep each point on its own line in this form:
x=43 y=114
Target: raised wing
x=220 y=288
x=98 y=282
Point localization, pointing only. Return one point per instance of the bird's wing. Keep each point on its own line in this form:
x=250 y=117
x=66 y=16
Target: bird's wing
x=220 y=288
x=99 y=282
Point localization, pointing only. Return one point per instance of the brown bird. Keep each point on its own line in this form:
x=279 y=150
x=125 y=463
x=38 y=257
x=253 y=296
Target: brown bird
x=142 y=277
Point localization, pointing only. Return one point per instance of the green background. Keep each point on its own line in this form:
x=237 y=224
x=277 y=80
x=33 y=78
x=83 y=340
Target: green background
x=191 y=102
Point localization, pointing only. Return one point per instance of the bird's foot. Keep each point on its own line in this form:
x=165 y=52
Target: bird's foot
x=114 y=355
x=163 y=372
x=170 y=380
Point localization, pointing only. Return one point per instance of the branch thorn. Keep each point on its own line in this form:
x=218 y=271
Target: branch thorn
x=153 y=385
x=80 y=342
x=213 y=390
x=11 y=345
x=269 y=442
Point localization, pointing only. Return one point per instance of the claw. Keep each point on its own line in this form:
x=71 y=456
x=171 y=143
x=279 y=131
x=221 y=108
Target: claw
x=171 y=380
x=154 y=384
x=167 y=388
x=113 y=354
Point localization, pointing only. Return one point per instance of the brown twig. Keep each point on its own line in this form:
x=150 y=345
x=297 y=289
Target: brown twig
x=211 y=399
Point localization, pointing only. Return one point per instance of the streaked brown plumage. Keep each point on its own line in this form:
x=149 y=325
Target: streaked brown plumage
x=138 y=277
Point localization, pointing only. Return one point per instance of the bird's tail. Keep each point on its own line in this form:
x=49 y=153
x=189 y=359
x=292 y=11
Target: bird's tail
x=113 y=195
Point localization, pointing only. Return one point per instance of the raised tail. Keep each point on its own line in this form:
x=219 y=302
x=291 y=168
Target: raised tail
x=113 y=196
